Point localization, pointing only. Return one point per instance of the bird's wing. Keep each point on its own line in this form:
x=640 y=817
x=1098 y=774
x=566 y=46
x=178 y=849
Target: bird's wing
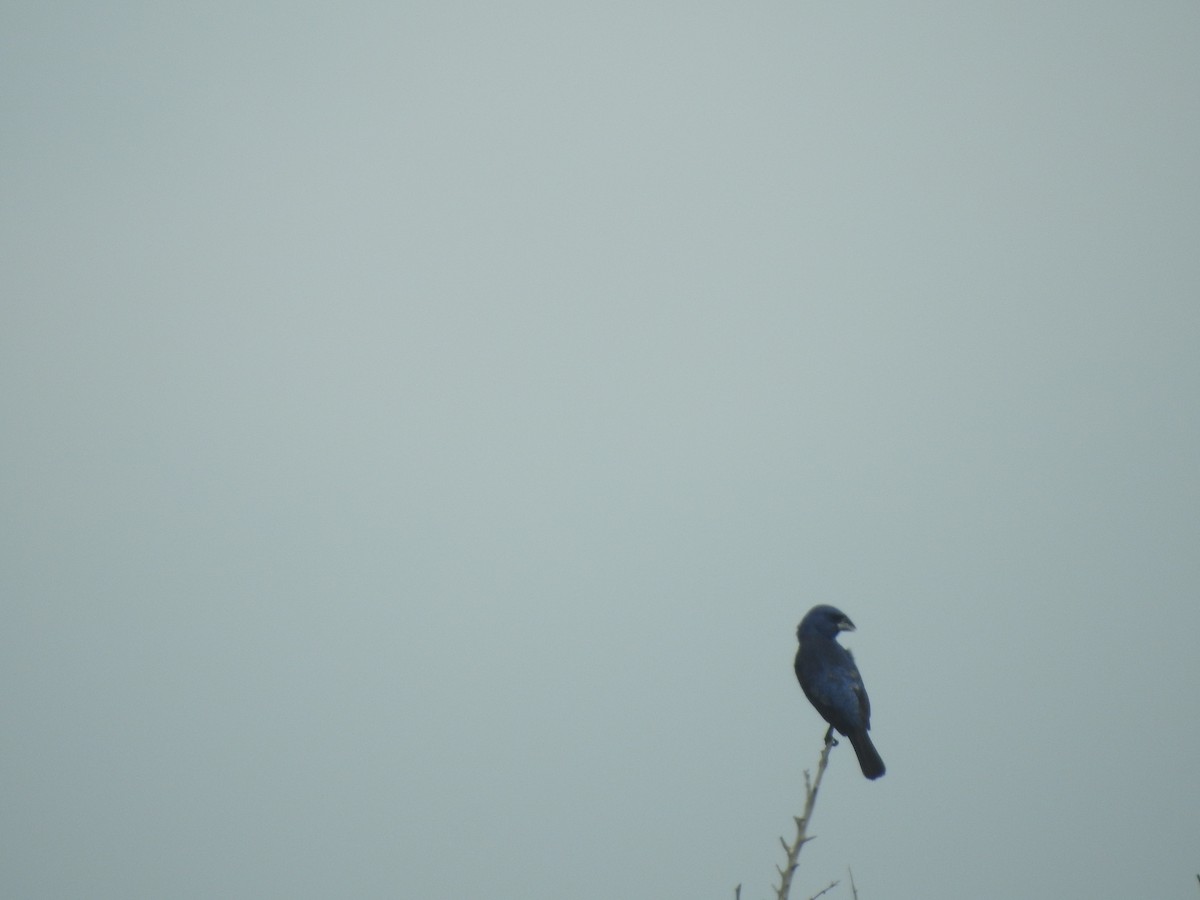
x=860 y=692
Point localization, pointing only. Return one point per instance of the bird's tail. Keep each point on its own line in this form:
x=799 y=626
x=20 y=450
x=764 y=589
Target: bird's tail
x=868 y=757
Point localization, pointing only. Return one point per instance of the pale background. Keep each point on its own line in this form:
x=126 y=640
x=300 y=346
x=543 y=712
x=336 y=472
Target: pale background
x=426 y=423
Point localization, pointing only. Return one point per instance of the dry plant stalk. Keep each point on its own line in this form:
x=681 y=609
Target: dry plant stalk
x=811 y=786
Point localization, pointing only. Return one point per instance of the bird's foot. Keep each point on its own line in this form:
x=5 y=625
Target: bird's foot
x=830 y=740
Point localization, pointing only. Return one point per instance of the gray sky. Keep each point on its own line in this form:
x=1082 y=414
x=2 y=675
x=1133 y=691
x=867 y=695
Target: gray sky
x=425 y=425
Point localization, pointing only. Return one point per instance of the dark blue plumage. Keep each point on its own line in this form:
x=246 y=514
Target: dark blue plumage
x=830 y=680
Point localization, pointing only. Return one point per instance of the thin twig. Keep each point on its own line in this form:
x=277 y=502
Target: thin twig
x=829 y=888
x=853 y=887
x=802 y=821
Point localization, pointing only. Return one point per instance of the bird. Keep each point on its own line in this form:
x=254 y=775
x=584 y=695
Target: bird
x=830 y=679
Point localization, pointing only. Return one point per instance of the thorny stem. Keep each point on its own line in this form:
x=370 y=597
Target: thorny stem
x=811 y=786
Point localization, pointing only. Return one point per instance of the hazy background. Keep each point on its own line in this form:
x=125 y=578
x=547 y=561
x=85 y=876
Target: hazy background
x=425 y=425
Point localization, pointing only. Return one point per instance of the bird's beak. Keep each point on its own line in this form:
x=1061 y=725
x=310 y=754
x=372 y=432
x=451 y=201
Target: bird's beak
x=845 y=625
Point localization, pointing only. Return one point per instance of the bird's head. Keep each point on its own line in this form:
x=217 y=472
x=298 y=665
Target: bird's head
x=824 y=621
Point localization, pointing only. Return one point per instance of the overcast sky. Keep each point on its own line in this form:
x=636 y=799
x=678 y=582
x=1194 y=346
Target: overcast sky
x=426 y=423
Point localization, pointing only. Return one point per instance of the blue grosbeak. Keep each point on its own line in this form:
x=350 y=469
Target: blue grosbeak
x=830 y=680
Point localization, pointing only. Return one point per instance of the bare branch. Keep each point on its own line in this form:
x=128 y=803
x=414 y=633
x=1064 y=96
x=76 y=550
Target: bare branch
x=829 y=888
x=811 y=786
